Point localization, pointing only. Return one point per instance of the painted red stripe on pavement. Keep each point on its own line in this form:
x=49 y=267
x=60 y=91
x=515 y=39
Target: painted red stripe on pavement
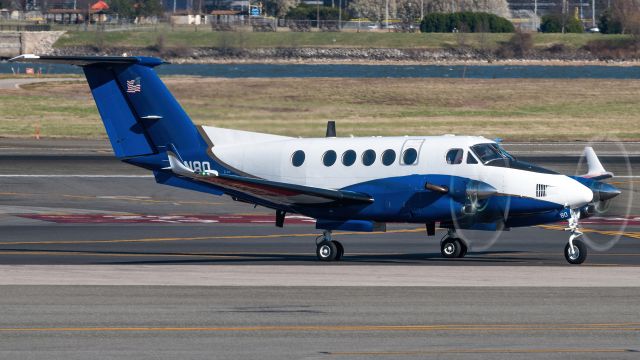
x=166 y=219
x=611 y=220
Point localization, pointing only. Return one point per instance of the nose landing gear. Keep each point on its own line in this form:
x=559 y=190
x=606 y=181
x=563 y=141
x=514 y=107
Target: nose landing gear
x=328 y=249
x=575 y=251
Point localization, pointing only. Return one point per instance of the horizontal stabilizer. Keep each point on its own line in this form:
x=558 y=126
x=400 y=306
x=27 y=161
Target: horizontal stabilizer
x=88 y=60
x=177 y=167
x=595 y=169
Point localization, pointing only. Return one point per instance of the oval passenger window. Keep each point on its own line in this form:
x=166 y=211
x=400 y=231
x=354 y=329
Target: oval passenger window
x=349 y=157
x=410 y=156
x=297 y=159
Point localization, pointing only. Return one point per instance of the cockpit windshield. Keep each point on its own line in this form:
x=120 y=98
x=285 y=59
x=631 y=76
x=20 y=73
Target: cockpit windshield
x=490 y=152
x=494 y=155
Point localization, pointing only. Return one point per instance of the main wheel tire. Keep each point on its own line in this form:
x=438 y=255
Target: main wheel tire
x=451 y=248
x=326 y=251
x=463 y=249
x=340 y=249
x=580 y=254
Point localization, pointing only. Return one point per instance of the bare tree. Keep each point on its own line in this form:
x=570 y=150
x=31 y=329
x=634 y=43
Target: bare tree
x=628 y=13
x=373 y=10
x=281 y=7
x=408 y=10
x=498 y=7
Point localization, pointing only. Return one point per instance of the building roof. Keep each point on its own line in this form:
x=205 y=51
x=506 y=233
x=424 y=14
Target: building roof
x=225 y=12
x=100 y=5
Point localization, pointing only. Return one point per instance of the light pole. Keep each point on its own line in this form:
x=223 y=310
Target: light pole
x=386 y=14
x=535 y=15
x=340 y=15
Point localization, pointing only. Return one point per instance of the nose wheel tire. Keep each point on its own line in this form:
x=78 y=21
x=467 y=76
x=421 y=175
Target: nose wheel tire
x=328 y=250
x=579 y=253
x=463 y=249
x=340 y=249
x=452 y=248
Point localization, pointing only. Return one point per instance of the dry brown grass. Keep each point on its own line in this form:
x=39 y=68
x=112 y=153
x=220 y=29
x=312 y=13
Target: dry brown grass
x=514 y=109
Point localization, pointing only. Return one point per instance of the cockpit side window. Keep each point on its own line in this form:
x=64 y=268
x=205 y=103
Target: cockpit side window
x=487 y=153
x=454 y=156
x=471 y=159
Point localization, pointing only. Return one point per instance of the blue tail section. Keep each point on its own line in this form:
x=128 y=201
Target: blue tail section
x=141 y=116
x=143 y=120
x=127 y=135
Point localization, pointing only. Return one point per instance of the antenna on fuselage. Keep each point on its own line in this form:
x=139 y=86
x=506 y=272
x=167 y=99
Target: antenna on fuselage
x=331 y=129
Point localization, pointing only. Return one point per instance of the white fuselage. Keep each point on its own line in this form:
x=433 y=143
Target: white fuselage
x=271 y=157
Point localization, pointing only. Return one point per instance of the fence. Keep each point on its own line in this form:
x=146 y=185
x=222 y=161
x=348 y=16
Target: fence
x=217 y=23
x=24 y=27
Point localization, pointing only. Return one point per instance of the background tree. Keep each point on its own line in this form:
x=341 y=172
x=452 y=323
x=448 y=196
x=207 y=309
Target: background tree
x=555 y=24
x=279 y=8
x=373 y=10
x=497 y=7
x=147 y=8
x=308 y=12
x=627 y=13
x=608 y=24
x=124 y=8
x=466 y=22
x=408 y=11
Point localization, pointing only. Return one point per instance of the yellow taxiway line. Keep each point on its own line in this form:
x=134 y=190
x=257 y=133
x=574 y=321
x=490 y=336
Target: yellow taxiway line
x=346 y=328
x=631 y=234
x=478 y=351
x=196 y=238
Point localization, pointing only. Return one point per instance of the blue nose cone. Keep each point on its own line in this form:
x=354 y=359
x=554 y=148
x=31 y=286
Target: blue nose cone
x=604 y=191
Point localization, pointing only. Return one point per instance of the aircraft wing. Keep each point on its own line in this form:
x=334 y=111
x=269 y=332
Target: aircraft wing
x=277 y=192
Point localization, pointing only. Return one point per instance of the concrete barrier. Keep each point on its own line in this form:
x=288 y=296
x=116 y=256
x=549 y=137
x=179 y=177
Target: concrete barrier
x=10 y=44
x=27 y=42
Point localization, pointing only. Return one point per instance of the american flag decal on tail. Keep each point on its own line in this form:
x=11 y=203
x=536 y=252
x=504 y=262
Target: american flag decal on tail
x=133 y=86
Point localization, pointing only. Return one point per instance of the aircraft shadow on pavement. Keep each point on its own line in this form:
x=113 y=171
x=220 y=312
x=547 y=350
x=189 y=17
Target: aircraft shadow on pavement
x=58 y=256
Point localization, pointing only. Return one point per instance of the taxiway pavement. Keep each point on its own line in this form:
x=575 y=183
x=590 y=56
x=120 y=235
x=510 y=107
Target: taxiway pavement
x=161 y=322
x=65 y=202
x=72 y=215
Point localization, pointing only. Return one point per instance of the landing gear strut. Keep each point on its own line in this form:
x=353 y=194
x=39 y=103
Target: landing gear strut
x=451 y=246
x=575 y=251
x=328 y=249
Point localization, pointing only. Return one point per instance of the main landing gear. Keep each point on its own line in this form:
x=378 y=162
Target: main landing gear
x=328 y=249
x=452 y=246
x=575 y=251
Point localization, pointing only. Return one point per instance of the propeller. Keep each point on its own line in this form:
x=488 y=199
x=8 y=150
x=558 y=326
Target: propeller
x=602 y=192
x=605 y=194
x=476 y=194
x=470 y=211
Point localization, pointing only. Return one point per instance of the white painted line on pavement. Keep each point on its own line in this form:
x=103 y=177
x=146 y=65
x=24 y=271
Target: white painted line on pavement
x=313 y=275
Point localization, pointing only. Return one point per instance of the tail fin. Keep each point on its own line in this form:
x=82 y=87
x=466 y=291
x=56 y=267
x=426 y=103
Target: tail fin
x=140 y=114
x=595 y=169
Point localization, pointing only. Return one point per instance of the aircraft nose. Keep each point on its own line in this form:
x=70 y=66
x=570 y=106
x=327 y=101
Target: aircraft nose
x=604 y=191
x=578 y=195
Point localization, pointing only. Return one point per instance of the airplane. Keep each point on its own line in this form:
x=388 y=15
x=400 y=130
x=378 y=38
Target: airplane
x=345 y=183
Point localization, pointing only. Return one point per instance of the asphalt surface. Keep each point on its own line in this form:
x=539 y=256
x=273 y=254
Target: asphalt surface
x=109 y=223
x=112 y=322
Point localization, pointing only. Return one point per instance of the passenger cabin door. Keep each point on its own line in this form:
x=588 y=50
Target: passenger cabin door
x=410 y=154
